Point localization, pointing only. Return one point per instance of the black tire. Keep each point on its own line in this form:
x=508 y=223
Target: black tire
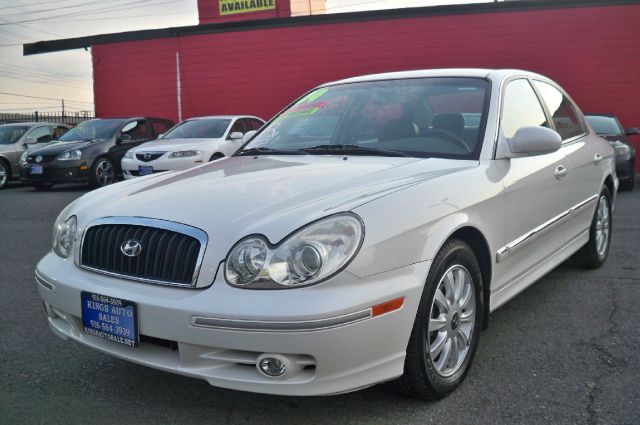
x=42 y=186
x=5 y=174
x=589 y=256
x=630 y=184
x=216 y=156
x=100 y=175
x=421 y=379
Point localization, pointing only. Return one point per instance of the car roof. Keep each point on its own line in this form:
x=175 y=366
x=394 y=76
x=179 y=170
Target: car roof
x=226 y=117
x=33 y=123
x=494 y=74
x=600 y=114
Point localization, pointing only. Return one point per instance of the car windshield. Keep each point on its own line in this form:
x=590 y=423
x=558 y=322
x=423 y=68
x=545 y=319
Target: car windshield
x=209 y=128
x=91 y=130
x=12 y=133
x=424 y=117
x=604 y=125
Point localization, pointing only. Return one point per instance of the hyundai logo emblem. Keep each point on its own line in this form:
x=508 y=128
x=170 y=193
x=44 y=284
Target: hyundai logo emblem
x=131 y=248
x=39 y=158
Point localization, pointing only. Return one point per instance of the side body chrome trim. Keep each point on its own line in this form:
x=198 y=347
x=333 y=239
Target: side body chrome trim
x=534 y=234
x=266 y=326
x=194 y=232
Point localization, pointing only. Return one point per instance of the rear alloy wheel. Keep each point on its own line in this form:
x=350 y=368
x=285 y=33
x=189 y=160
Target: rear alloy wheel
x=596 y=251
x=4 y=175
x=446 y=332
x=103 y=173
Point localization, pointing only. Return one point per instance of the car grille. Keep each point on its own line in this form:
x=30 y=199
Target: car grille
x=167 y=255
x=149 y=156
x=45 y=158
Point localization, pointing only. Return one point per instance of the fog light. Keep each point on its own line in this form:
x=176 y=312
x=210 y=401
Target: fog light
x=272 y=367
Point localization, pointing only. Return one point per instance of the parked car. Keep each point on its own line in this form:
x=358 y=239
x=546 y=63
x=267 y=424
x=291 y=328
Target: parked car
x=15 y=139
x=609 y=127
x=190 y=143
x=363 y=235
x=90 y=152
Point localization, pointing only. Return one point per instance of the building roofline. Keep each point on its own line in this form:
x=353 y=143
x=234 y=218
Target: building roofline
x=331 y=18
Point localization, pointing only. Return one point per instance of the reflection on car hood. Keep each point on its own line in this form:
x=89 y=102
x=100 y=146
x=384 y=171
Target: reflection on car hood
x=54 y=148
x=272 y=195
x=173 y=145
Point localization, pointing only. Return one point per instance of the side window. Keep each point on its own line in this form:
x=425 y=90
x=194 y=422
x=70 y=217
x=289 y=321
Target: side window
x=521 y=108
x=254 y=124
x=240 y=125
x=59 y=131
x=40 y=135
x=138 y=130
x=161 y=126
x=565 y=117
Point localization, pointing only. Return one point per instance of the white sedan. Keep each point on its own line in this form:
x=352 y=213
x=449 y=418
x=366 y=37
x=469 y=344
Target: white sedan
x=363 y=235
x=190 y=143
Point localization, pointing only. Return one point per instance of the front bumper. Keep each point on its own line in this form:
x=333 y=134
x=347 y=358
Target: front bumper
x=218 y=333
x=56 y=172
x=625 y=169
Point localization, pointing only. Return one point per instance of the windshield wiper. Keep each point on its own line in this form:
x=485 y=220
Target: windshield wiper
x=352 y=150
x=269 y=151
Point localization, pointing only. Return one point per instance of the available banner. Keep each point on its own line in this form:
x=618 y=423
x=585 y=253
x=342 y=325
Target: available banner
x=231 y=7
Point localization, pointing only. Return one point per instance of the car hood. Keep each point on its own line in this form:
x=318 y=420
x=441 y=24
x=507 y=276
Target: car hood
x=54 y=148
x=173 y=145
x=270 y=195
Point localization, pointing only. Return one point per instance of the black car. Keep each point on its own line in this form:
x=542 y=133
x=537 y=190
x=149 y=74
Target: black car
x=90 y=152
x=608 y=126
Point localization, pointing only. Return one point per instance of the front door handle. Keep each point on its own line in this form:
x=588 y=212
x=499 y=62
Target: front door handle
x=597 y=158
x=560 y=172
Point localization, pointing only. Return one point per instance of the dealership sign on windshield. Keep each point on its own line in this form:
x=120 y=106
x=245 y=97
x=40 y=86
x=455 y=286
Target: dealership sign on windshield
x=230 y=7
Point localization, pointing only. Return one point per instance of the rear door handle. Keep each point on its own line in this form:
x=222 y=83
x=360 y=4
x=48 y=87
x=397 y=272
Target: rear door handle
x=560 y=172
x=597 y=158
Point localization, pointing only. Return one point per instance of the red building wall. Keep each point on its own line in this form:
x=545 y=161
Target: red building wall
x=593 y=52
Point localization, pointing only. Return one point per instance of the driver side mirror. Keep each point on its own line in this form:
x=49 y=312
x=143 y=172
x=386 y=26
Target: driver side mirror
x=236 y=135
x=530 y=141
x=124 y=138
x=632 y=131
x=248 y=136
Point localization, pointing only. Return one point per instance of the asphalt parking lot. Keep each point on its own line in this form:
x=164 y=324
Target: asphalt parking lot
x=566 y=351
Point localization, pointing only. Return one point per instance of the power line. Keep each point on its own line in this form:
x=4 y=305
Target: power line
x=91 y=11
x=71 y=6
x=32 y=4
x=36 y=73
x=45 y=98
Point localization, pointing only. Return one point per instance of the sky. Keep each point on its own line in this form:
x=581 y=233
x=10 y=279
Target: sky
x=67 y=75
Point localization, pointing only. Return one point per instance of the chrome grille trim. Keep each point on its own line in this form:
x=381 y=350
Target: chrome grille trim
x=184 y=229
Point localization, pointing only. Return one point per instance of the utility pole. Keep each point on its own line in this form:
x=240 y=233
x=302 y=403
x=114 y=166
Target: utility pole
x=62 y=108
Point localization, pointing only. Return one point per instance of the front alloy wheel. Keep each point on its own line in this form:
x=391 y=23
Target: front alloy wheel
x=446 y=331
x=4 y=175
x=103 y=173
x=452 y=320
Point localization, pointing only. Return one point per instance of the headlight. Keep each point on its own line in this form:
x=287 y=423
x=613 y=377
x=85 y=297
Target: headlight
x=620 y=148
x=310 y=255
x=184 y=154
x=70 y=155
x=129 y=154
x=64 y=232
